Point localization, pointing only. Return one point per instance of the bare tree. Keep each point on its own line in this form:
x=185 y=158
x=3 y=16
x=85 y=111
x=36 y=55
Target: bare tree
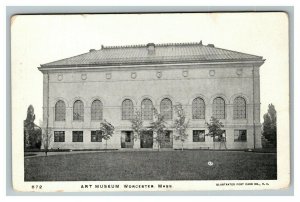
x=137 y=124
x=180 y=125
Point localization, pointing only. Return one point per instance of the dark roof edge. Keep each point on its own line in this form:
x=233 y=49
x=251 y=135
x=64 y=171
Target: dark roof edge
x=260 y=62
x=154 y=63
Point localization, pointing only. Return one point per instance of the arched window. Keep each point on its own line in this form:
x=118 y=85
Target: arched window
x=166 y=109
x=219 y=108
x=147 y=109
x=198 y=108
x=60 y=111
x=78 y=111
x=127 y=110
x=96 y=110
x=239 y=108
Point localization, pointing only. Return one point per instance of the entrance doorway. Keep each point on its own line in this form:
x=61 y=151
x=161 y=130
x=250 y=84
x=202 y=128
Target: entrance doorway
x=168 y=140
x=147 y=139
x=127 y=139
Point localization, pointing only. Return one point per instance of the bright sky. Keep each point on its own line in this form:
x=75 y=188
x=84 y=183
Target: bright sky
x=41 y=39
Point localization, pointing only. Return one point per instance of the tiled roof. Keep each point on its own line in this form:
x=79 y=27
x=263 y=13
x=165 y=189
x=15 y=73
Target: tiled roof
x=160 y=54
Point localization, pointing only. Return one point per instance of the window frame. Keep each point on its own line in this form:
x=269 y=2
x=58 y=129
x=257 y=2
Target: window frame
x=200 y=108
x=94 y=113
x=237 y=109
x=59 y=136
x=60 y=111
x=149 y=113
x=81 y=108
x=216 y=108
x=79 y=134
x=127 y=115
x=224 y=132
x=97 y=134
x=198 y=139
x=239 y=135
x=163 y=112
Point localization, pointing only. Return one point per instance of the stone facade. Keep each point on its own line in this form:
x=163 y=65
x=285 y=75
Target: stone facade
x=180 y=82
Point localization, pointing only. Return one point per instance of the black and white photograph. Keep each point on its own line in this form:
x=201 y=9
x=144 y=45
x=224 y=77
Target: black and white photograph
x=150 y=102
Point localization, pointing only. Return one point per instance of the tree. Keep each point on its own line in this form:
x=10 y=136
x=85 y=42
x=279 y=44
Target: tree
x=47 y=136
x=137 y=125
x=107 y=131
x=158 y=126
x=180 y=125
x=32 y=132
x=215 y=130
x=270 y=125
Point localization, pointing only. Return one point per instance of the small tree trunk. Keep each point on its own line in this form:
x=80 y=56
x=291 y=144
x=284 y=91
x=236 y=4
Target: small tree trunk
x=181 y=145
x=105 y=144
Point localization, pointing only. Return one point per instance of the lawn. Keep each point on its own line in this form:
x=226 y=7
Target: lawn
x=152 y=165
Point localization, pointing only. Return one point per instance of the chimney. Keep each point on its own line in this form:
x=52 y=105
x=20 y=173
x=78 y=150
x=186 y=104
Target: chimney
x=151 y=48
x=211 y=45
x=92 y=50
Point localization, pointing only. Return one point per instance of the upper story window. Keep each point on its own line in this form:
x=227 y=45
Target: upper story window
x=96 y=110
x=60 y=111
x=147 y=109
x=127 y=109
x=78 y=111
x=239 y=108
x=219 y=108
x=198 y=108
x=166 y=109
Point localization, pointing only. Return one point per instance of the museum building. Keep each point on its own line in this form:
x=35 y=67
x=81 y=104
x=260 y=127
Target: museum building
x=113 y=82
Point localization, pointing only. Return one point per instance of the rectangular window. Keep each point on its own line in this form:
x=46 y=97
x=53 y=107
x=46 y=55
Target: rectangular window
x=220 y=138
x=59 y=136
x=240 y=135
x=77 y=136
x=96 y=136
x=198 y=135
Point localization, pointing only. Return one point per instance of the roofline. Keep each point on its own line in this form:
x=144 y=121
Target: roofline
x=151 y=62
x=145 y=46
x=95 y=66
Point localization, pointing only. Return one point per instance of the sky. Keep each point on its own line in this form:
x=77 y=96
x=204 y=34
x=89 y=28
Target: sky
x=41 y=39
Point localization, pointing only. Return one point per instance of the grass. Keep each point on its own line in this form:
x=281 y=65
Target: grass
x=152 y=165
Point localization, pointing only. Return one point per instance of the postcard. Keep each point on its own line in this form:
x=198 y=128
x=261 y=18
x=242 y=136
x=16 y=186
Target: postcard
x=150 y=102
